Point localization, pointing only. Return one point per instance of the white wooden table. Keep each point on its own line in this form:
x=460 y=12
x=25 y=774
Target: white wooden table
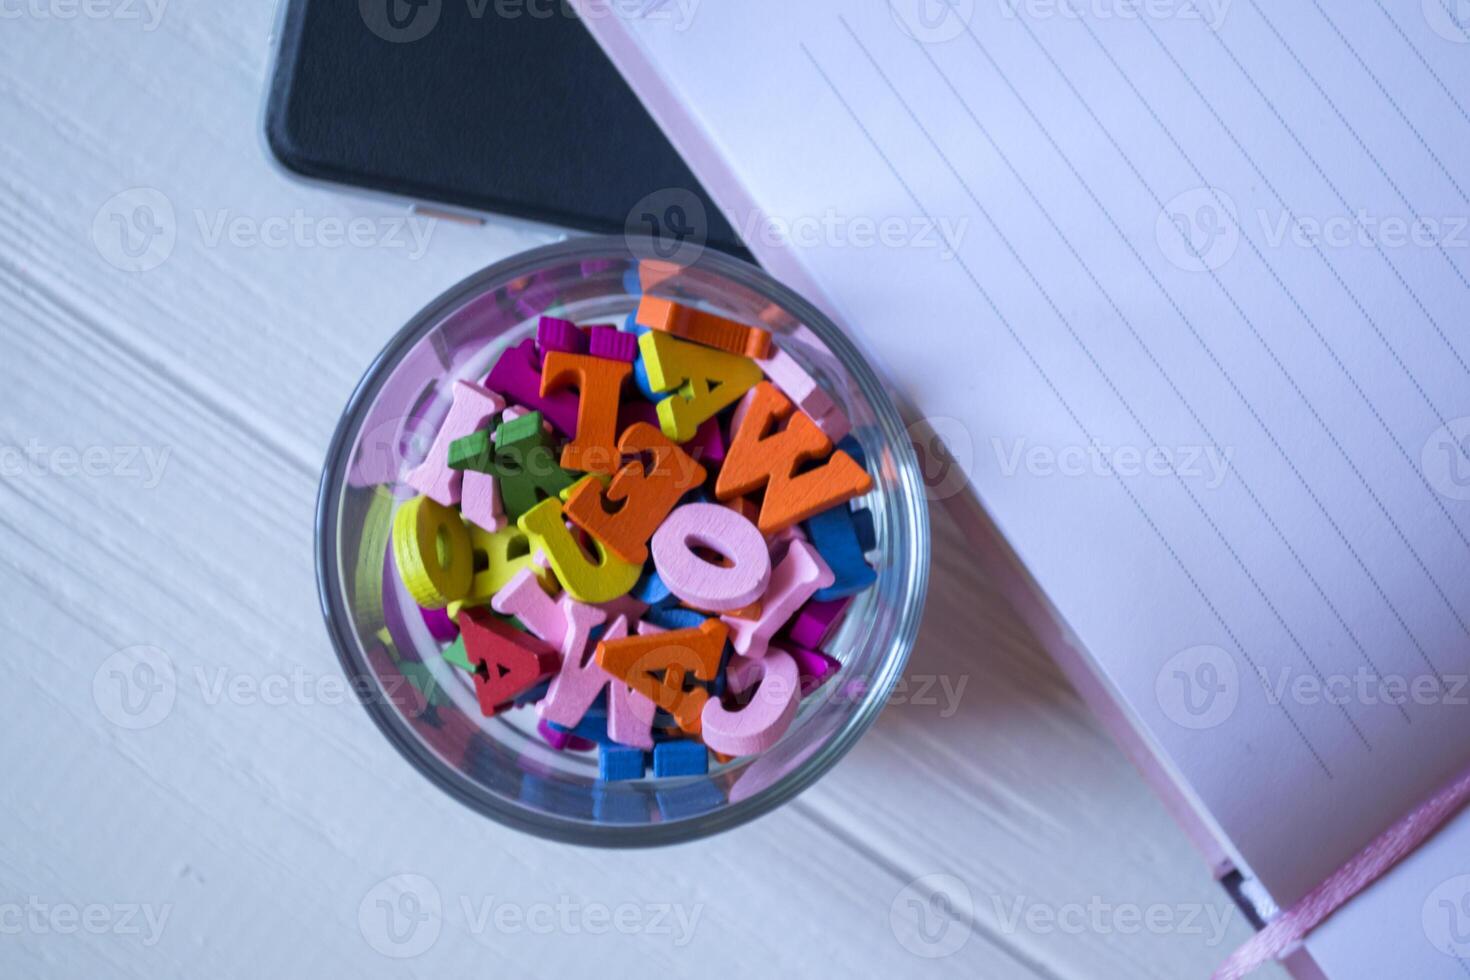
x=161 y=438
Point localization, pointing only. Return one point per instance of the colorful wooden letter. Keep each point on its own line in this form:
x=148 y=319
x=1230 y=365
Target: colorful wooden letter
x=507 y=661
x=586 y=579
x=525 y=598
x=517 y=375
x=525 y=465
x=625 y=514
x=577 y=685
x=707 y=381
x=432 y=549
x=759 y=457
x=783 y=371
x=657 y=664
x=473 y=407
x=759 y=724
x=699 y=582
x=681 y=758
x=801 y=573
x=834 y=534
x=703 y=328
x=500 y=555
x=600 y=384
x=553 y=334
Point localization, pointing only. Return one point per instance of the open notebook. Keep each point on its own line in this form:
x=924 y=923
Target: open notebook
x=1184 y=287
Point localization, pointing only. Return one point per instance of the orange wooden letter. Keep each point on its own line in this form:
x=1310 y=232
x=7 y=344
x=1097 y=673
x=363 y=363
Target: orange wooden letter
x=600 y=383
x=638 y=661
x=625 y=514
x=759 y=457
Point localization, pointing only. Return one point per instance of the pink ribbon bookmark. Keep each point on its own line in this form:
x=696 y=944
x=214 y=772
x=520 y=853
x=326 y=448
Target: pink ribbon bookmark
x=1286 y=932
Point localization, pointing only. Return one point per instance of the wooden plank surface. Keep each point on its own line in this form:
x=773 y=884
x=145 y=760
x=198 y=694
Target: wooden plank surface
x=162 y=433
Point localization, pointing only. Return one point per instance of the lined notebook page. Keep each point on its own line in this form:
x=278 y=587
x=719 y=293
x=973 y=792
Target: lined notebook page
x=1185 y=288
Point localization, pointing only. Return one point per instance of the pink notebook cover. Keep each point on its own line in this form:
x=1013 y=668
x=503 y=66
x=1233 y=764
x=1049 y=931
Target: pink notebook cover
x=1212 y=400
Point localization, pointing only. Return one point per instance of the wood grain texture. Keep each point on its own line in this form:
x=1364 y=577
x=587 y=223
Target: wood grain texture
x=262 y=811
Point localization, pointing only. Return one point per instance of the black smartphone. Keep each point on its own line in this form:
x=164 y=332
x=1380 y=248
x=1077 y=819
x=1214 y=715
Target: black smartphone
x=480 y=105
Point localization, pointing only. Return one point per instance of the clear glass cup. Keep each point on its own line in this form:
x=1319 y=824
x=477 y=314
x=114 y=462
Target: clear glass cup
x=500 y=766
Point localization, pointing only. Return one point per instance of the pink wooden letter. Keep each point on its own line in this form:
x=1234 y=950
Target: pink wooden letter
x=760 y=724
x=800 y=574
x=473 y=407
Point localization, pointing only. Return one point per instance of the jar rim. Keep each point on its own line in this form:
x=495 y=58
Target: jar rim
x=908 y=485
